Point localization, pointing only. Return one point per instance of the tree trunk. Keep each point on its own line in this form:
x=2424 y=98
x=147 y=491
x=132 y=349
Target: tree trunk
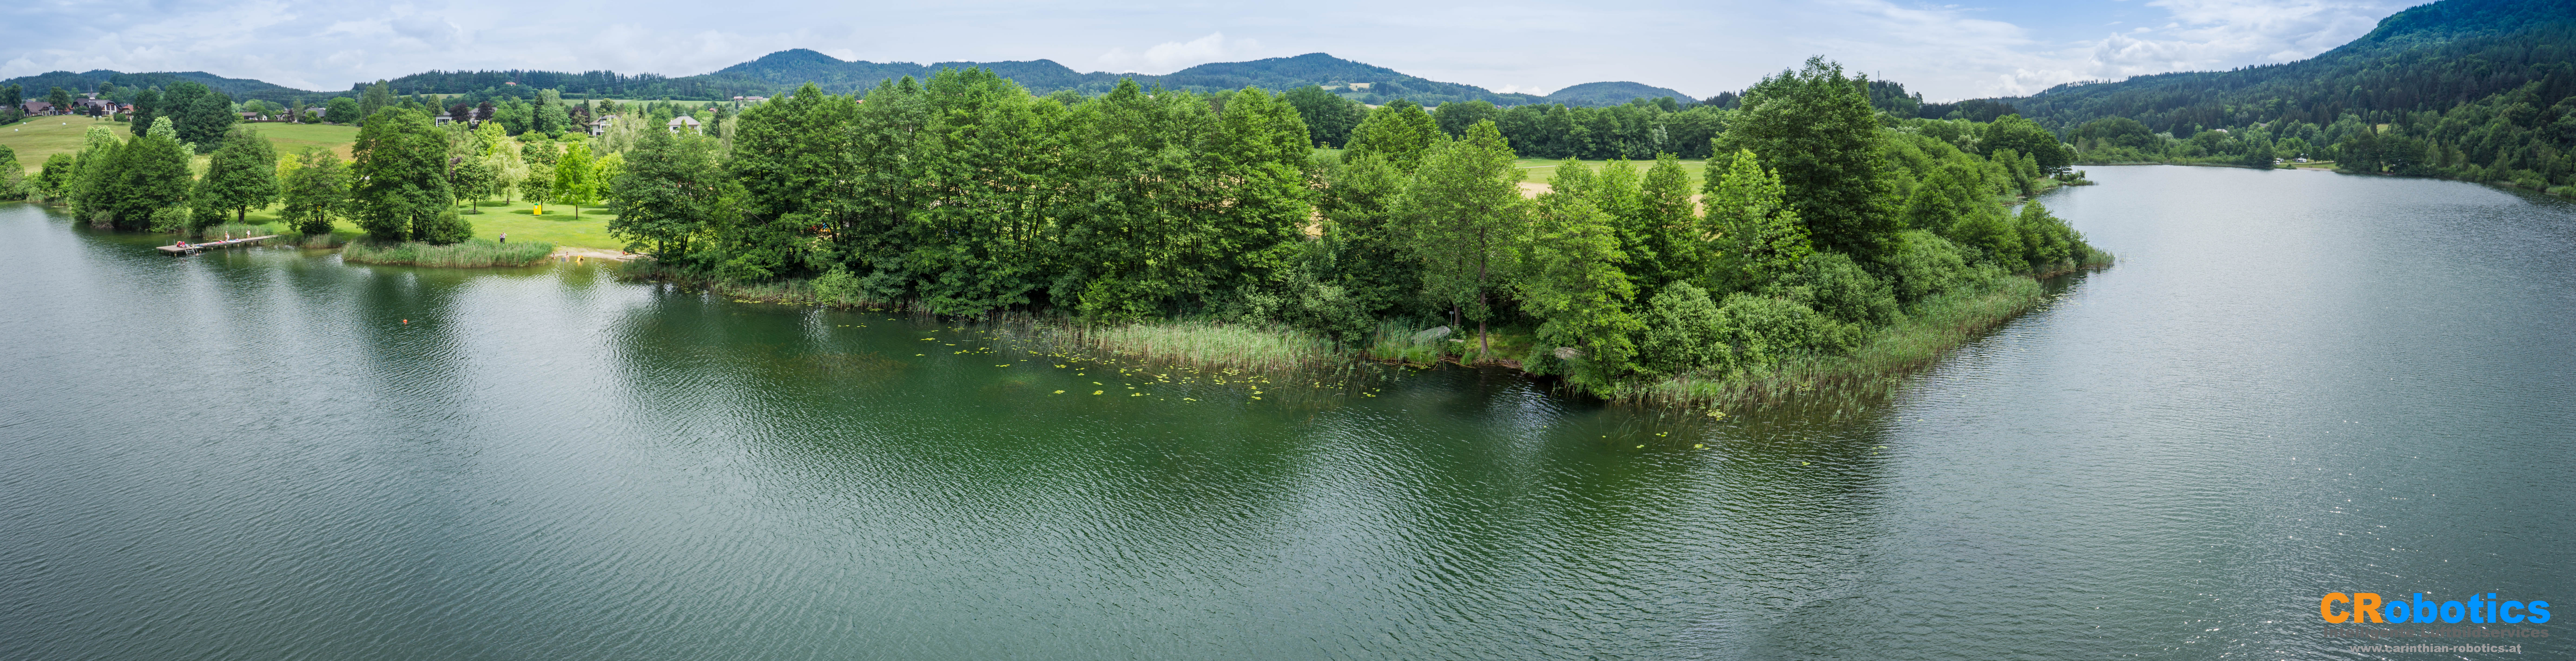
x=1484 y=346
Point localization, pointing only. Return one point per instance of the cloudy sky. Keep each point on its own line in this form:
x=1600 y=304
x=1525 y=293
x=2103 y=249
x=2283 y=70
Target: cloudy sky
x=1946 y=51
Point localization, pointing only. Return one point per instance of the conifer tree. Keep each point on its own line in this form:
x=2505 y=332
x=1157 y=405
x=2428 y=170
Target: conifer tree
x=1754 y=236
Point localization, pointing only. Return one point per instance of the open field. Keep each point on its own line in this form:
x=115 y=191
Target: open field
x=42 y=137
x=1538 y=170
x=517 y=219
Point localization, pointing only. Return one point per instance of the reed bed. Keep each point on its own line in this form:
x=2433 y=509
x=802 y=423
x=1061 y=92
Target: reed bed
x=1211 y=344
x=477 y=253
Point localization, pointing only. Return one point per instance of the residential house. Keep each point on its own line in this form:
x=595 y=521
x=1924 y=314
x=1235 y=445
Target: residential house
x=684 y=121
x=38 y=108
x=600 y=126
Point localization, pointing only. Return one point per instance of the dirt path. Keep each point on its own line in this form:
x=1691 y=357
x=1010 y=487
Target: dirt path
x=593 y=253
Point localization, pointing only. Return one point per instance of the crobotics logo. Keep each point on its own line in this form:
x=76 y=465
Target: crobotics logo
x=2369 y=608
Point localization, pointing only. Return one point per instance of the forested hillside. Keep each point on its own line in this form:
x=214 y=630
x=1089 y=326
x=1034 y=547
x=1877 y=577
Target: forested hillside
x=240 y=89
x=2429 y=58
x=2479 y=90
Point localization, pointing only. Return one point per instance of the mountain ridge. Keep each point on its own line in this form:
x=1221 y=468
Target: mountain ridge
x=785 y=70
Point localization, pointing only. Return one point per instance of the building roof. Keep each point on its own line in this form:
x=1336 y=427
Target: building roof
x=684 y=120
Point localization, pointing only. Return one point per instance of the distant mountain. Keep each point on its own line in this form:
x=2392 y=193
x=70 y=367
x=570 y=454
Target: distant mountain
x=241 y=89
x=783 y=71
x=1611 y=94
x=2428 y=58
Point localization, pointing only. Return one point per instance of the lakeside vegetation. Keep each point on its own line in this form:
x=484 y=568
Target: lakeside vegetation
x=476 y=253
x=1828 y=236
x=1187 y=224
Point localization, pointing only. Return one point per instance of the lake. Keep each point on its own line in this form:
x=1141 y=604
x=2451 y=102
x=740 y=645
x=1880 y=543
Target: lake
x=2294 y=383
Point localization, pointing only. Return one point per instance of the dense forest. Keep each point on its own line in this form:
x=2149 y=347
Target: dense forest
x=2469 y=89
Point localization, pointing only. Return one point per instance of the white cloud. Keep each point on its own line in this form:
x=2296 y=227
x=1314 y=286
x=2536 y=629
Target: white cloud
x=1173 y=56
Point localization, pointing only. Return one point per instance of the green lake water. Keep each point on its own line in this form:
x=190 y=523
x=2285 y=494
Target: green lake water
x=2294 y=383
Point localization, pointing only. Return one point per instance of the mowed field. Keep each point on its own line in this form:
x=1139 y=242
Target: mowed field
x=42 y=137
x=519 y=220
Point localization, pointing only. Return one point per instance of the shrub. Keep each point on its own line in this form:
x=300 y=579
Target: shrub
x=1684 y=332
x=1924 y=265
x=1832 y=285
x=464 y=254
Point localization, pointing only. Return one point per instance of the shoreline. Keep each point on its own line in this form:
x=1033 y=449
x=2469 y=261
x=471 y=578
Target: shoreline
x=1884 y=359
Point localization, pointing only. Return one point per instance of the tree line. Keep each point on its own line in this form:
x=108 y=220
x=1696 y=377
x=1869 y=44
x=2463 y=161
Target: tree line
x=964 y=194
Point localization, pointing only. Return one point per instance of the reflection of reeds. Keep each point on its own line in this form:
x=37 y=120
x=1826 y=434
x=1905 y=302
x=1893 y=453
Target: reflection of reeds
x=1937 y=325
x=465 y=254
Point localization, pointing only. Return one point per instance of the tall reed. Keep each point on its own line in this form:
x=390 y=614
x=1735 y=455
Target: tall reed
x=477 y=253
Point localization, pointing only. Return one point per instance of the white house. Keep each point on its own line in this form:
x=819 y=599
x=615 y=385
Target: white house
x=691 y=123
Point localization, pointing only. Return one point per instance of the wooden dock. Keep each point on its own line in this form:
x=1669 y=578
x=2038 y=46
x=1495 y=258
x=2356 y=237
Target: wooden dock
x=195 y=248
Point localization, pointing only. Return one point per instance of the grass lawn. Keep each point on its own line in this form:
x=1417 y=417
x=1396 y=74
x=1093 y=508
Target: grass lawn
x=557 y=227
x=42 y=137
x=519 y=220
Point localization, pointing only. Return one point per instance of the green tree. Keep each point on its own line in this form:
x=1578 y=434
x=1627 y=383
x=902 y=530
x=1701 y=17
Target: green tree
x=147 y=106
x=1465 y=212
x=1453 y=118
x=13 y=177
x=791 y=161
x=400 y=173
x=1754 y=235
x=341 y=110
x=1367 y=237
x=316 y=192
x=62 y=100
x=1399 y=132
x=58 y=177
x=1815 y=130
x=204 y=122
x=473 y=180
x=671 y=193
x=550 y=117
x=1329 y=117
x=241 y=176
x=541 y=156
x=573 y=183
x=2030 y=139
x=373 y=98
x=95 y=160
x=1571 y=277
x=1669 y=220
x=148 y=174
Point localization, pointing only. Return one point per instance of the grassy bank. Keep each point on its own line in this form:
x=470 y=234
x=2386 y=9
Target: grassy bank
x=41 y=137
x=476 y=253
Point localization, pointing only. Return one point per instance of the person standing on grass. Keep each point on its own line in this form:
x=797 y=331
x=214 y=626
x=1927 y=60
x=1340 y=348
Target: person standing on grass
x=505 y=237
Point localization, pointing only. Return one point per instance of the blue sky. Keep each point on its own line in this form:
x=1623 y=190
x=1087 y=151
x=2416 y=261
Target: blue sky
x=1946 y=51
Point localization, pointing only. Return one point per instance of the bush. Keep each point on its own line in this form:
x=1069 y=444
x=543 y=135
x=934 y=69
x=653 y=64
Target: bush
x=1832 y=285
x=447 y=228
x=838 y=287
x=1685 y=332
x=1924 y=265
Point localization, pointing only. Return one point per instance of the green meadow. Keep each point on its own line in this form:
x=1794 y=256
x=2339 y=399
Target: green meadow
x=42 y=137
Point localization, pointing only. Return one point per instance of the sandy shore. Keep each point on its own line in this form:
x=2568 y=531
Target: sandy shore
x=593 y=253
